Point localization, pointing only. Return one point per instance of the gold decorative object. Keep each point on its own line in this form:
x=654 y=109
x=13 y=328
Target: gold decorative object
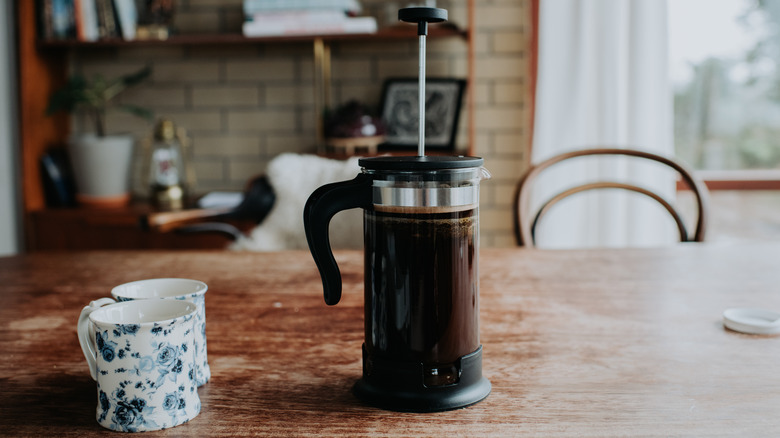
x=167 y=166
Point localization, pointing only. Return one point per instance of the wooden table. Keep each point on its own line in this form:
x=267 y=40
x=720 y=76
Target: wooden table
x=576 y=343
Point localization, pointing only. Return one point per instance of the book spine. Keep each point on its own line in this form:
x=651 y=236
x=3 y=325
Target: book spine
x=127 y=15
x=253 y=6
x=80 y=31
x=45 y=19
x=106 y=22
x=280 y=28
x=298 y=16
x=118 y=31
x=86 y=20
x=63 y=24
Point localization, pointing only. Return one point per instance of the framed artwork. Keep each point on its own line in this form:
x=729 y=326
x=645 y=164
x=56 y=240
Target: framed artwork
x=399 y=111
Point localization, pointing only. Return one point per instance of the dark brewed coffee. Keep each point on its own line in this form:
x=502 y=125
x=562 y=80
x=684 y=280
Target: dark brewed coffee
x=421 y=288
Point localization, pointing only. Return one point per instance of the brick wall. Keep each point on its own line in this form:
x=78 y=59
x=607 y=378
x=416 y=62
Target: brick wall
x=244 y=104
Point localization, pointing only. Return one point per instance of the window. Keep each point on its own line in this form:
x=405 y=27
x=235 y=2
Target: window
x=725 y=70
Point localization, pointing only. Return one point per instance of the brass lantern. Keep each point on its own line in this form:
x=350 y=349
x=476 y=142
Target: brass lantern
x=168 y=171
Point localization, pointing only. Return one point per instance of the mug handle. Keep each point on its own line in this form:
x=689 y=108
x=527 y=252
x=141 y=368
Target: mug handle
x=325 y=202
x=88 y=342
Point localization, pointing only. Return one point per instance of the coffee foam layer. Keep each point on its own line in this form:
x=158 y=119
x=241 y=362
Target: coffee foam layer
x=423 y=210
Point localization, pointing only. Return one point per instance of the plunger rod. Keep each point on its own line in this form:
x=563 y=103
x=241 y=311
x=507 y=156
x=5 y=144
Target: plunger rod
x=421 y=97
x=422 y=16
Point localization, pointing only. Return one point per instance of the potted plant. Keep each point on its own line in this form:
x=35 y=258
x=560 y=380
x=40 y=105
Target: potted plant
x=101 y=162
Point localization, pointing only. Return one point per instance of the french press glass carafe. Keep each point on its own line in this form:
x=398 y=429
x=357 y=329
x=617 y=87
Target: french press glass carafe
x=421 y=228
x=422 y=351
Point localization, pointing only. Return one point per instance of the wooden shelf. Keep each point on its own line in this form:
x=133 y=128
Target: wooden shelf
x=387 y=33
x=67 y=229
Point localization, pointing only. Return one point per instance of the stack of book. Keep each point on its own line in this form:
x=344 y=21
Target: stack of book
x=88 y=20
x=304 y=17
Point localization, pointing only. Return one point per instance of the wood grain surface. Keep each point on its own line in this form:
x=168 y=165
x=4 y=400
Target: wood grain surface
x=576 y=343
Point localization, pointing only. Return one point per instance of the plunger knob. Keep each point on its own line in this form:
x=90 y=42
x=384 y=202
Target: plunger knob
x=422 y=16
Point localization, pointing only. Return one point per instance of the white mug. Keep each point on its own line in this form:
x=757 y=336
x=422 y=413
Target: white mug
x=193 y=291
x=142 y=356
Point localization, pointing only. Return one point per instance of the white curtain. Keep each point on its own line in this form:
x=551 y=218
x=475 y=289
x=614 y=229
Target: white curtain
x=603 y=82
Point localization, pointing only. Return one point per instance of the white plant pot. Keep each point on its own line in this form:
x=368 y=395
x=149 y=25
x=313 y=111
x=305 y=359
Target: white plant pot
x=101 y=168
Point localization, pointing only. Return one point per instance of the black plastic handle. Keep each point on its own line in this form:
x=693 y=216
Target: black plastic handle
x=320 y=208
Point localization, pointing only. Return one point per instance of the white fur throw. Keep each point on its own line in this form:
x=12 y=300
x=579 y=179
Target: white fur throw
x=294 y=177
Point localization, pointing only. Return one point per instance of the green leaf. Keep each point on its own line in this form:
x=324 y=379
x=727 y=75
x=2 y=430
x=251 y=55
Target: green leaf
x=137 y=111
x=137 y=77
x=68 y=98
x=96 y=96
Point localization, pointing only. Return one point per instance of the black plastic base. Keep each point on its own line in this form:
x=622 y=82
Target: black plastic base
x=399 y=386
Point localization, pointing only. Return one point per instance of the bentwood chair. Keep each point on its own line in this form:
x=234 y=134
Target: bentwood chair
x=526 y=221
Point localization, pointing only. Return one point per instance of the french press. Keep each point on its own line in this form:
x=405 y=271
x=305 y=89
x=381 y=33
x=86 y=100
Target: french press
x=422 y=351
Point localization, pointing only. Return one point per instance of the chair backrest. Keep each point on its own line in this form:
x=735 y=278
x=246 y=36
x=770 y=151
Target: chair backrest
x=526 y=222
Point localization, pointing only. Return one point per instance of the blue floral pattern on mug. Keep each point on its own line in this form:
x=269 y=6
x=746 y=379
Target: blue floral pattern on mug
x=106 y=347
x=128 y=329
x=155 y=385
x=201 y=356
x=203 y=371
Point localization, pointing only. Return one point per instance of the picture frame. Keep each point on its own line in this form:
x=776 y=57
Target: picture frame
x=399 y=111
